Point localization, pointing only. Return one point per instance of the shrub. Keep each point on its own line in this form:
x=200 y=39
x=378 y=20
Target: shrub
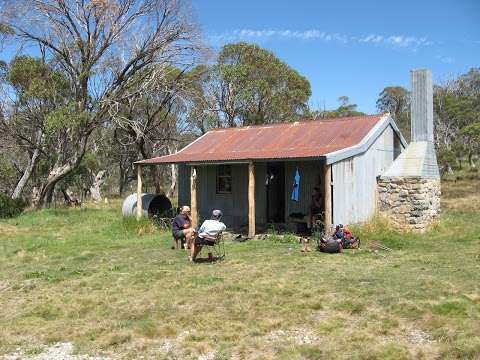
x=11 y=207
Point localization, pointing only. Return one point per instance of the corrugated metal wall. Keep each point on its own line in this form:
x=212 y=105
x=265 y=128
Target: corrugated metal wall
x=355 y=181
x=421 y=107
x=311 y=175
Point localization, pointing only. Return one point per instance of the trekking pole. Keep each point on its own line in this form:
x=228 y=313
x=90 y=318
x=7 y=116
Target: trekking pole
x=383 y=247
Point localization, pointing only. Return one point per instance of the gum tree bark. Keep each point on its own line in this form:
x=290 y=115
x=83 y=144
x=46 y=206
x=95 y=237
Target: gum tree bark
x=26 y=174
x=97 y=183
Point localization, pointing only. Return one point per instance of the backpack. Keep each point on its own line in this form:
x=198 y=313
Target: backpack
x=351 y=243
x=329 y=245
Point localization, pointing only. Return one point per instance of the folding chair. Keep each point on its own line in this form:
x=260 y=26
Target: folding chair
x=218 y=247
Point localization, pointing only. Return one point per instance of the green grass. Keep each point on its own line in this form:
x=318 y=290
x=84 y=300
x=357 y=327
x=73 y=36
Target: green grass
x=114 y=287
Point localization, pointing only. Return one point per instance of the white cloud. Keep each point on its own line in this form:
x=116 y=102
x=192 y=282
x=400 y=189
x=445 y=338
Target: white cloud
x=400 y=41
x=445 y=59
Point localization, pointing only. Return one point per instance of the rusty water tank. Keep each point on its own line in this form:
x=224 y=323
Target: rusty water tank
x=152 y=204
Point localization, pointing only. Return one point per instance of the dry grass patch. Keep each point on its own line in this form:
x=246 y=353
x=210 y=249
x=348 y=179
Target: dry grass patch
x=461 y=195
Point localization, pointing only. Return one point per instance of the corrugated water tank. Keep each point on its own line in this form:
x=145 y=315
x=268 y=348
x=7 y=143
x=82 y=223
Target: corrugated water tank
x=152 y=204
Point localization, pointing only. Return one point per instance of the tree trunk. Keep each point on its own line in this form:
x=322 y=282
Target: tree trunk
x=59 y=172
x=121 y=180
x=97 y=183
x=49 y=195
x=449 y=169
x=46 y=192
x=470 y=160
x=35 y=197
x=173 y=174
x=156 y=176
x=173 y=181
x=26 y=175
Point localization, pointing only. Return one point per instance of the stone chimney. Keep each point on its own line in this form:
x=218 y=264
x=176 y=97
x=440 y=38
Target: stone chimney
x=409 y=191
x=421 y=108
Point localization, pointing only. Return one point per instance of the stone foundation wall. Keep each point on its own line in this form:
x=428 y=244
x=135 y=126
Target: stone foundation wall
x=410 y=203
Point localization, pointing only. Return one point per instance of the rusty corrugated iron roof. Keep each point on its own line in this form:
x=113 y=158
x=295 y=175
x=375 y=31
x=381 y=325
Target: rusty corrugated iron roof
x=303 y=139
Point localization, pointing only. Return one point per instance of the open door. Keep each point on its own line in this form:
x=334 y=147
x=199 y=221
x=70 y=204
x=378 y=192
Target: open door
x=275 y=189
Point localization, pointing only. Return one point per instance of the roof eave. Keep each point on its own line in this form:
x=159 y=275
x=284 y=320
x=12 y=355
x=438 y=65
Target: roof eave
x=366 y=142
x=230 y=162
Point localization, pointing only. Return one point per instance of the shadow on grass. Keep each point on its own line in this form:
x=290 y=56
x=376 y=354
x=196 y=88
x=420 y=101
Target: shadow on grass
x=207 y=260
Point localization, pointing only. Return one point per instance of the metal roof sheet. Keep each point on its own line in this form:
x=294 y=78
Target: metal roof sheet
x=303 y=139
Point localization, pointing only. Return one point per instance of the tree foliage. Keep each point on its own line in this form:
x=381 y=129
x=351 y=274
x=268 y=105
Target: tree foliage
x=249 y=85
x=345 y=109
x=104 y=49
x=396 y=101
x=456 y=115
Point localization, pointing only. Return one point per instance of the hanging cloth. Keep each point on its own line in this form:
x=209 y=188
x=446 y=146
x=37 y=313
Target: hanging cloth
x=296 y=186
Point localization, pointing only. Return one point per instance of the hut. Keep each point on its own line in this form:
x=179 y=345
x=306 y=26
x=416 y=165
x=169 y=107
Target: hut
x=360 y=164
x=249 y=172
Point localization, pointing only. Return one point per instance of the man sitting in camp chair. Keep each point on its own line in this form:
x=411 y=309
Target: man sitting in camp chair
x=182 y=230
x=207 y=234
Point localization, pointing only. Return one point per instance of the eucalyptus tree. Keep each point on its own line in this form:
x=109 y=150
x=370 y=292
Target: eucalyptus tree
x=36 y=92
x=396 y=101
x=249 y=85
x=457 y=109
x=267 y=89
x=471 y=134
x=103 y=46
x=345 y=109
x=149 y=120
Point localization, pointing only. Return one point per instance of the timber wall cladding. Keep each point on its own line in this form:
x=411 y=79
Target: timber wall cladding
x=234 y=205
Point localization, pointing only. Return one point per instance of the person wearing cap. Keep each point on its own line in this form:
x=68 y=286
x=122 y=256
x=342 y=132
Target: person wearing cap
x=345 y=237
x=207 y=233
x=339 y=233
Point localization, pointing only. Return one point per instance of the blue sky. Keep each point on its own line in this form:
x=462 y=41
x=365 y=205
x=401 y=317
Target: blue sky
x=352 y=48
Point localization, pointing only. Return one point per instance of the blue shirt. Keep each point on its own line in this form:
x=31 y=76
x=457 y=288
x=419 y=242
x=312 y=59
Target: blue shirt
x=179 y=223
x=296 y=187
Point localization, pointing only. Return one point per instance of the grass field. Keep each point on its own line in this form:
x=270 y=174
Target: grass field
x=87 y=277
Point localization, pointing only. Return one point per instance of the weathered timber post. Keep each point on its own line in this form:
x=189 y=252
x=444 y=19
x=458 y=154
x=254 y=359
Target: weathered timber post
x=327 y=181
x=139 y=191
x=251 y=200
x=193 y=196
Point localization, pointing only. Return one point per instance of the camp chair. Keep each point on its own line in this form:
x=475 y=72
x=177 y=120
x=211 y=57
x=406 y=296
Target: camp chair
x=179 y=243
x=218 y=247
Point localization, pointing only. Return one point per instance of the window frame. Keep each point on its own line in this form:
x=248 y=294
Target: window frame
x=219 y=176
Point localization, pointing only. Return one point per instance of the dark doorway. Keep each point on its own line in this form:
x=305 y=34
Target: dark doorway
x=275 y=187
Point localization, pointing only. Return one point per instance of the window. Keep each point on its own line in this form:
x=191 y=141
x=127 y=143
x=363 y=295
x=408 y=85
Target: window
x=224 y=179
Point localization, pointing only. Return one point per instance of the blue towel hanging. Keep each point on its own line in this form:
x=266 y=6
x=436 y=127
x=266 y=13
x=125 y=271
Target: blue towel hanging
x=296 y=186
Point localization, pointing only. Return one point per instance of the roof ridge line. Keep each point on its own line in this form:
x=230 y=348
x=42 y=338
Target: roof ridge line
x=298 y=121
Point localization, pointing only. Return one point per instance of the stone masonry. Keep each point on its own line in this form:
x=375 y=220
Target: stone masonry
x=411 y=203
